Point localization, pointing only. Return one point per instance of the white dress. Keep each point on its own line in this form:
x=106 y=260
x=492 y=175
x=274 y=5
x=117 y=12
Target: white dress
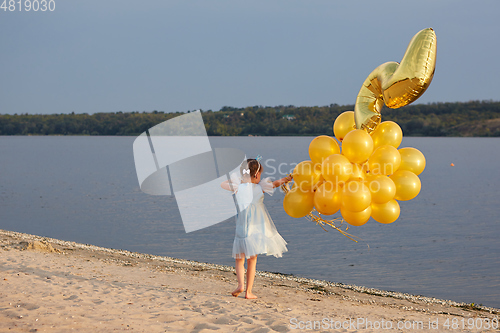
x=255 y=230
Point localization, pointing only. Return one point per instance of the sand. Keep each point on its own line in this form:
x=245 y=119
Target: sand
x=48 y=285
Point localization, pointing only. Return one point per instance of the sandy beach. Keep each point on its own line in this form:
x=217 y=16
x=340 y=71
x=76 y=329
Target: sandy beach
x=49 y=285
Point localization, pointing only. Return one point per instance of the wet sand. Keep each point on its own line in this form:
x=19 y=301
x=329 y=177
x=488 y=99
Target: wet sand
x=49 y=285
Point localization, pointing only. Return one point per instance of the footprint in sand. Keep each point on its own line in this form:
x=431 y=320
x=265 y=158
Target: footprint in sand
x=224 y=321
x=29 y=306
x=280 y=328
x=204 y=326
x=71 y=298
x=262 y=330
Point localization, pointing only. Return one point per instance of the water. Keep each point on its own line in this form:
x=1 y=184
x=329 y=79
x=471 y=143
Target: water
x=445 y=243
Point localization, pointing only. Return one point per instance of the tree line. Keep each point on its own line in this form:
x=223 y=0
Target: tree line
x=474 y=118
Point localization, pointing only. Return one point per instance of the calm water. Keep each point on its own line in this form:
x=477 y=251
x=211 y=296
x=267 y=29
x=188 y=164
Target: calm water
x=445 y=243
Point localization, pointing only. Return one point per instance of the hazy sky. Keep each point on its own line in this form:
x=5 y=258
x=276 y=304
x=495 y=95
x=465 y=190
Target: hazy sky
x=119 y=55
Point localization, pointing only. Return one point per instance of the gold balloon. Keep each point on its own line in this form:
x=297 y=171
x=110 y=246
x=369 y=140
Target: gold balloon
x=298 y=203
x=366 y=168
x=386 y=212
x=343 y=125
x=407 y=185
x=336 y=168
x=356 y=196
x=357 y=146
x=385 y=160
x=395 y=84
x=321 y=147
x=412 y=160
x=307 y=175
x=327 y=198
x=382 y=189
x=357 y=172
x=369 y=177
x=356 y=218
x=387 y=133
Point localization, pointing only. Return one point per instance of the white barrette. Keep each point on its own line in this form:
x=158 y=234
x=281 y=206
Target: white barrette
x=246 y=171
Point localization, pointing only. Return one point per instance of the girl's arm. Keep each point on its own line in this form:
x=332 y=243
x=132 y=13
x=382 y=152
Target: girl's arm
x=225 y=185
x=282 y=181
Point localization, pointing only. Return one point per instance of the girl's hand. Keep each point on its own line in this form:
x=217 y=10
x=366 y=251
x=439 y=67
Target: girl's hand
x=226 y=185
x=282 y=181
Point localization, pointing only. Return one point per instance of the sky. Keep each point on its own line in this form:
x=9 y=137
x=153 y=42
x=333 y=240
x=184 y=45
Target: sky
x=90 y=56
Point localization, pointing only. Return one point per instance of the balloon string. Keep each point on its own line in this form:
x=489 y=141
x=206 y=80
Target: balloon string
x=321 y=221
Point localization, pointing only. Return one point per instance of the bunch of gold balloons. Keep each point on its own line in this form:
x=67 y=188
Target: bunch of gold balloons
x=367 y=175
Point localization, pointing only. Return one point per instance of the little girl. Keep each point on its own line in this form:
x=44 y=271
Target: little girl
x=255 y=230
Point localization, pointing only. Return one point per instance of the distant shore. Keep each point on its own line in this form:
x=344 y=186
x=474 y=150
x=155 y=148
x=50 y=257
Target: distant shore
x=51 y=285
x=453 y=119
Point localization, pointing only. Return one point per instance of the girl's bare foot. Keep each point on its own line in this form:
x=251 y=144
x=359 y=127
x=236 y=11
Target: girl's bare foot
x=237 y=291
x=250 y=296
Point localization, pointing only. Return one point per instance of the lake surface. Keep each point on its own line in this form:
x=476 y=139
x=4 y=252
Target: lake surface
x=445 y=243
